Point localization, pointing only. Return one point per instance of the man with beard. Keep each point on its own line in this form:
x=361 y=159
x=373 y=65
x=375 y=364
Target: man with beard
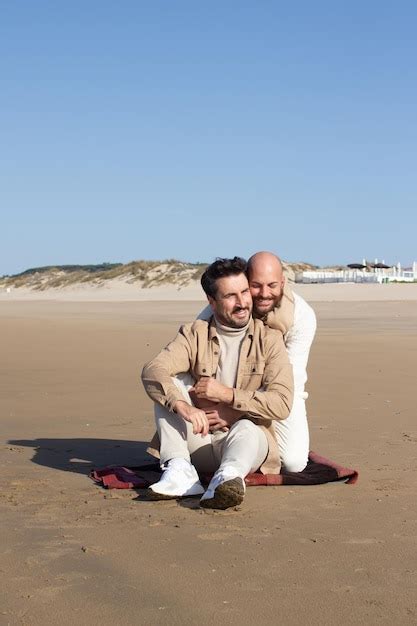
x=240 y=371
x=279 y=308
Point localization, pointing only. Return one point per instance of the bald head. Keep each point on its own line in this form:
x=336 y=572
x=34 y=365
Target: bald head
x=266 y=282
x=263 y=260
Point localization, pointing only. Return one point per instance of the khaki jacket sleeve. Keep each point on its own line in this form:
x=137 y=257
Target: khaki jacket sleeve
x=172 y=360
x=274 y=400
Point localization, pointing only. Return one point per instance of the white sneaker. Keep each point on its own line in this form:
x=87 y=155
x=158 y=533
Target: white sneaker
x=179 y=480
x=226 y=489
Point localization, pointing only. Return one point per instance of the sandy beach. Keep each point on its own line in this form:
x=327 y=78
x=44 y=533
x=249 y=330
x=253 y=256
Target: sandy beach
x=71 y=399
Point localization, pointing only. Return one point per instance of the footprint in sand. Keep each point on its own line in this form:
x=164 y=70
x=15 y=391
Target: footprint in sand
x=215 y=536
x=364 y=541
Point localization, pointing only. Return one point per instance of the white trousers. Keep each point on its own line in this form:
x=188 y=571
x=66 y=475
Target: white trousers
x=293 y=437
x=292 y=433
x=244 y=447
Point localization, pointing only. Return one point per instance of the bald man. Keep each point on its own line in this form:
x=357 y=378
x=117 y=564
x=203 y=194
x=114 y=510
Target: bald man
x=279 y=307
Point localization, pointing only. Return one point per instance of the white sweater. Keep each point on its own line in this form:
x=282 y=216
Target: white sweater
x=230 y=340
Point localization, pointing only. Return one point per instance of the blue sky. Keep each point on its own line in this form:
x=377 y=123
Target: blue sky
x=152 y=130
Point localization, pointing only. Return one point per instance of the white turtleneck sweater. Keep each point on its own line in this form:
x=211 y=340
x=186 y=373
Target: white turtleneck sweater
x=230 y=340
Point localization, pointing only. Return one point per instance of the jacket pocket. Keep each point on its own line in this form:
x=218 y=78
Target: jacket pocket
x=253 y=368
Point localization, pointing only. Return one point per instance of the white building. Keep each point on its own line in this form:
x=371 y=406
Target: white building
x=362 y=273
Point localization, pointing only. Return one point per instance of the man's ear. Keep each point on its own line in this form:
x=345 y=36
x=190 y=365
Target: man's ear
x=211 y=301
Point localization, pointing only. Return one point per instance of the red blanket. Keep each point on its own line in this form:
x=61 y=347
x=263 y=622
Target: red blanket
x=318 y=471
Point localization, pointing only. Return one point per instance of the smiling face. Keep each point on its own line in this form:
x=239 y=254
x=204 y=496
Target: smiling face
x=266 y=282
x=232 y=304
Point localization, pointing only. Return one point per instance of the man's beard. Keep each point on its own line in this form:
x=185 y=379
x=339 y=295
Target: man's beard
x=233 y=322
x=268 y=305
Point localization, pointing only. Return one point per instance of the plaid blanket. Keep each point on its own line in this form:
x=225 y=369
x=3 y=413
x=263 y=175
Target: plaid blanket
x=319 y=470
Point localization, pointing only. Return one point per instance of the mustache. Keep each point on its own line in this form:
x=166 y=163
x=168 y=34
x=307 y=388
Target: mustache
x=240 y=308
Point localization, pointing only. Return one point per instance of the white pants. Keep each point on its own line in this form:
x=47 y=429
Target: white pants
x=244 y=447
x=293 y=437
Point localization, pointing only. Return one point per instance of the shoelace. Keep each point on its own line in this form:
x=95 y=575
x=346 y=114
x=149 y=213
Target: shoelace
x=175 y=469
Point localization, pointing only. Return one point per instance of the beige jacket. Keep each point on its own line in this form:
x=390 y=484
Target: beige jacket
x=264 y=385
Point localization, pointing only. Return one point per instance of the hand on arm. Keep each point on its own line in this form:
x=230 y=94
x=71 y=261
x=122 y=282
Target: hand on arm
x=222 y=417
x=210 y=389
x=195 y=416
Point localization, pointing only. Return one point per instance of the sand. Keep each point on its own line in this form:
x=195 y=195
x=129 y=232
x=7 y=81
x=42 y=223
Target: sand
x=72 y=552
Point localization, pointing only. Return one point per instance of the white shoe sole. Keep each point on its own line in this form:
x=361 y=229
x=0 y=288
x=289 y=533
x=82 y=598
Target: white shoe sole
x=195 y=490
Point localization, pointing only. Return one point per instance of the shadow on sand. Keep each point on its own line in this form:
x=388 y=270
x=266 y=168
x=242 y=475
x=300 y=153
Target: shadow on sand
x=83 y=455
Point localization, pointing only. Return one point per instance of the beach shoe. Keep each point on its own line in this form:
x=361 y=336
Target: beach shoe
x=226 y=489
x=179 y=480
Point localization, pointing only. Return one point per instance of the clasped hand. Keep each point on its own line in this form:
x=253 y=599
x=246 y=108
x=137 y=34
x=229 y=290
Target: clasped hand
x=210 y=389
x=218 y=415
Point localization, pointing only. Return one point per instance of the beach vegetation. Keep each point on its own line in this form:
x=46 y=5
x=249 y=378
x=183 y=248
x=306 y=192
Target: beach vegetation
x=146 y=274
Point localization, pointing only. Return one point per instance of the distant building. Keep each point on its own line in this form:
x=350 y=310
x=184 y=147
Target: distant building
x=377 y=272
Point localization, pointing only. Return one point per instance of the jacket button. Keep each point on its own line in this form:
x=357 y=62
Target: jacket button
x=253 y=369
x=239 y=406
x=204 y=369
x=215 y=353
